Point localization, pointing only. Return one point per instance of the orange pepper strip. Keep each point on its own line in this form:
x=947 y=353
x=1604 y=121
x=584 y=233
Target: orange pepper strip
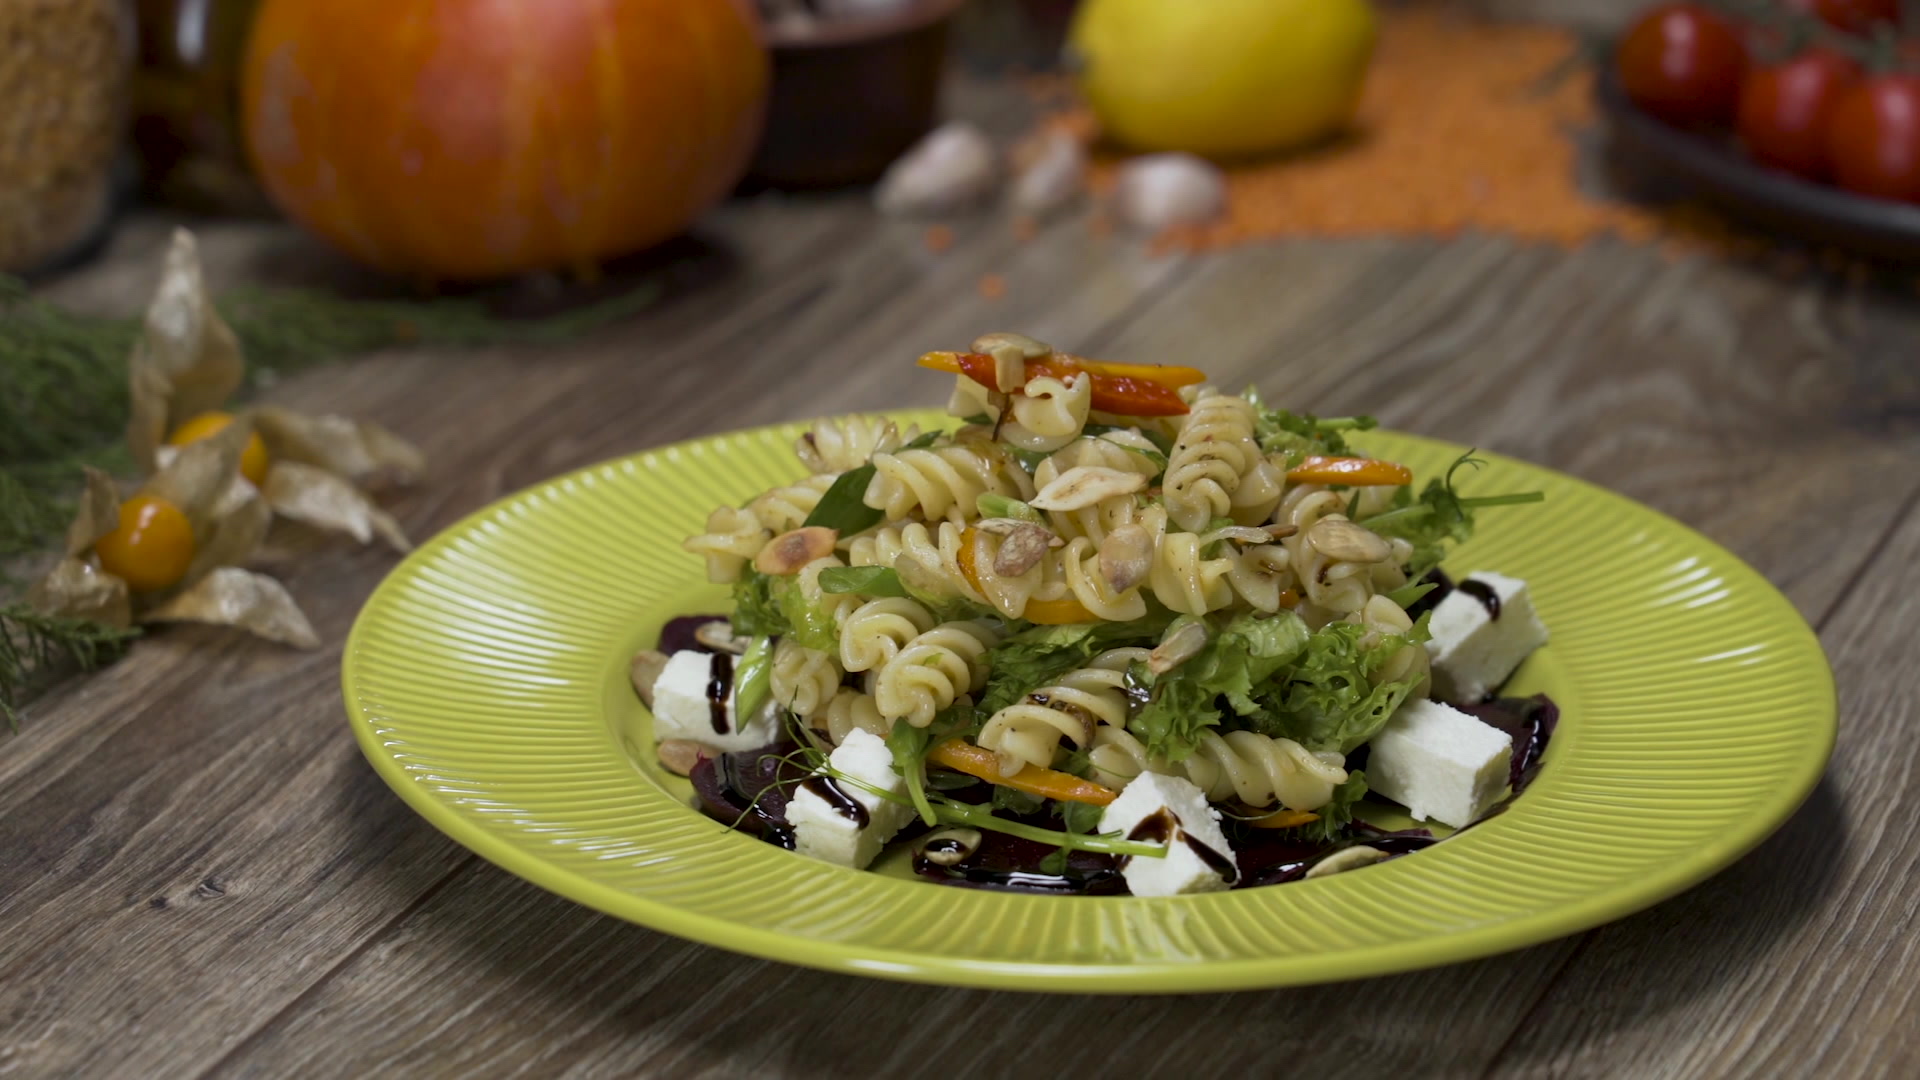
x=1122 y=395
x=1046 y=783
x=1284 y=819
x=1059 y=612
x=1353 y=471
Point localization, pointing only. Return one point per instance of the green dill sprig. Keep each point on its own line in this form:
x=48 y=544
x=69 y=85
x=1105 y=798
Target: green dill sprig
x=36 y=648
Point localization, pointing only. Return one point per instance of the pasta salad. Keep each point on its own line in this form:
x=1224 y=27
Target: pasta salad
x=1117 y=632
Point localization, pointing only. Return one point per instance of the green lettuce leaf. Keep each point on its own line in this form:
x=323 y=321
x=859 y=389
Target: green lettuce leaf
x=1328 y=700
x=1239 y=659
x=862 y=580
x=1337 y=814
x=807 y=623
x=755 y=612
x=1300 y=436
x=1439 y=516
x=1037 y=655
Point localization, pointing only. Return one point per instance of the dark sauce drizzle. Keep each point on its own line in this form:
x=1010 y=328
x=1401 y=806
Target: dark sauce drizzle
x=719 y=687
x=1160 y=828
x=833 y=795
x=1484 y=593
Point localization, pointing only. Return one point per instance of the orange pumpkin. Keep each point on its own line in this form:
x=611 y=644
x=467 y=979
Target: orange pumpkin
x=476 y=138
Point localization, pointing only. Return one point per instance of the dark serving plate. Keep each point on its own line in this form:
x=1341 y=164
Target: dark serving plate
x=1715 y=169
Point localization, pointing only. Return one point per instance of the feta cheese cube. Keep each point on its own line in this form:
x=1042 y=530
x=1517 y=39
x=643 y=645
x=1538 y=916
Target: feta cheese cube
x=1440 y=763
x=1481 y=632
x=843 y=822
x=1156 y=808
x=682 y=710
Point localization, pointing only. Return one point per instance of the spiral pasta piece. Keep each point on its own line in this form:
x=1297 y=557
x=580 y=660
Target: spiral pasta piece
x=850 y=709
x=839 y=443
x=1121 y=451
x=1213 y=457
x=1029 y=731
x=933 y=670
x=803 y=680
x=875 y=632
x=1180 y=577
x=1079 y=570
x=1049 y=413
x=735 y=535
x=1332 y=588
x=1381 y=617
x=926 y=558
x=1259 y=769
x=943 y=482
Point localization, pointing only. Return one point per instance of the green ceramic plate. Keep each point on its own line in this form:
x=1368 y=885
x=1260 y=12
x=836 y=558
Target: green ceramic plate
x=486 y=681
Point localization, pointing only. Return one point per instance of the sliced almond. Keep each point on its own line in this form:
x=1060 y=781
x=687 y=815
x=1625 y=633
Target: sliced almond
x=1179 y=647
x=1030 y=349
x=1022 y=550
x=1346 y=859
x=1126 y=556
x=1009 y=368
x=718 y=635
x=645 y=670
x=679 y=756
x=788 y=552
x=1338 y=538
x=1009 y=526
x=1086 y=485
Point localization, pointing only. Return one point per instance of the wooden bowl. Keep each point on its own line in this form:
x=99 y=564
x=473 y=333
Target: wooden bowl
x=850 y=96
x=1714 y=168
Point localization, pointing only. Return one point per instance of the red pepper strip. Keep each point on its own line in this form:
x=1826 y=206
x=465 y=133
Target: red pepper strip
x=1352 y=471
x=1122 y=395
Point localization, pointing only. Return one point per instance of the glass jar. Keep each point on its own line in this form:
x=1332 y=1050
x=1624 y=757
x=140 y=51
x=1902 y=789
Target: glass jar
x=186 y=103
x=64 y=74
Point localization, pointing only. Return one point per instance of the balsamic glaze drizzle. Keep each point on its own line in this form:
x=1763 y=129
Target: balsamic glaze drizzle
x=1484 y=593
x=719 y=687
x=843 y=804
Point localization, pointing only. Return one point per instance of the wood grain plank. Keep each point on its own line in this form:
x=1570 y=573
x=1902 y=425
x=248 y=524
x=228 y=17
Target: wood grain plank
x=191 y=837
x=1474 y=347
x=1801 y=958
x=144 y=783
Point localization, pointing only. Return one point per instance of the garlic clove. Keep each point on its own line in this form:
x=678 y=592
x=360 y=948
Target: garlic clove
x=1053 y=178
x=1160 y=190
x=954 y=168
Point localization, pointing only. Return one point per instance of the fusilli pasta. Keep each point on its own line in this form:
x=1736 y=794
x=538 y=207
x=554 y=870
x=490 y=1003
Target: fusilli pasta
x=933 y=670
x=1260 y=770
x=1029 y=731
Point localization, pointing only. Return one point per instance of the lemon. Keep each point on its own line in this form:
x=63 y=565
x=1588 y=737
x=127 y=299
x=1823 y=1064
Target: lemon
x=1223 y=78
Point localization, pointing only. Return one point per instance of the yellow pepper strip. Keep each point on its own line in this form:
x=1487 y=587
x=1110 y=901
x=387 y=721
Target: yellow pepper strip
x=1352 y=471
x=1046 y=783
x=1170 y=375
x=1284 y=819
x=1059 y=612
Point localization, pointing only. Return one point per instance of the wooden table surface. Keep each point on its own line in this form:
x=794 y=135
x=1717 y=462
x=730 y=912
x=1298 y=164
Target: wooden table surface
x=199 y=875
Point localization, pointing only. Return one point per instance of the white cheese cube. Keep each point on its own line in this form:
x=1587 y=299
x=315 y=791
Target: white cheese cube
x=1478 y=640
x=682 y=710
x=1156 y=808
x=1440 y=763
x=843 y=822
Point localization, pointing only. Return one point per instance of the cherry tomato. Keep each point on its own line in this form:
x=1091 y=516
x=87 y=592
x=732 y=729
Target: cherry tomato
x=1785 y=109
x=151 y=548
x=1873 y=138
x=253 y=459
x=1853 y=16
x=1683 y=63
